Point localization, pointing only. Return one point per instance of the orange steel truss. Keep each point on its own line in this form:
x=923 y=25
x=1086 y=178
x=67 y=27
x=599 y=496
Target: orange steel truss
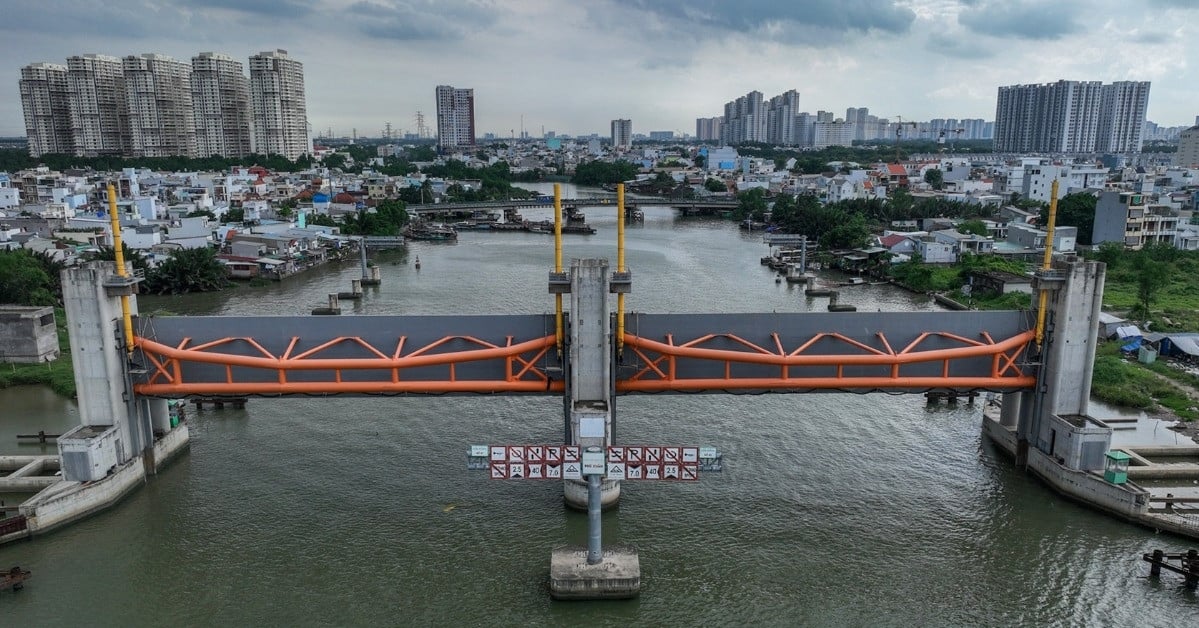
x=659 y=373
x=380 y=371
x=521 y=374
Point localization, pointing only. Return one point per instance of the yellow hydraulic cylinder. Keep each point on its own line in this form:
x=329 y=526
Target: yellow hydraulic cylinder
x=1048 y=263
x=558 y=262
x=119 y=253
x=620 y=266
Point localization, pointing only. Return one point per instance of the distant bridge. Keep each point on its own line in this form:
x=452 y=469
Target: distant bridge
x=688 y=206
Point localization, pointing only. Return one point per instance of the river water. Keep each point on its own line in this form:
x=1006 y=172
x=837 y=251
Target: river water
x=834 y=509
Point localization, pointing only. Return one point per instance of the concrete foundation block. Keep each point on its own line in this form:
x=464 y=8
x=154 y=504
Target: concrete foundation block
x=575 y=494
x=617 y=576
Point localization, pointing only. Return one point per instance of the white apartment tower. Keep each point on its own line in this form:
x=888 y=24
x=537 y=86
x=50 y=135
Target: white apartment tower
x=280 y=122
x=96 y=98
x=622 y=134
x=708 y=129
x=159 y=96
x=1188 y=148
x=1122 y=116
x=45 y=100
x=221 y=105
x=455 y=117
x=780 y=119
x=1071 y=117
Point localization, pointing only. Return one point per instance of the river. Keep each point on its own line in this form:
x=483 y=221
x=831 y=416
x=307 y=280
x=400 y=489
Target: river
x=834 y=509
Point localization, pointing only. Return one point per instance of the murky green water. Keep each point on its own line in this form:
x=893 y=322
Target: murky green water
x=835 y=509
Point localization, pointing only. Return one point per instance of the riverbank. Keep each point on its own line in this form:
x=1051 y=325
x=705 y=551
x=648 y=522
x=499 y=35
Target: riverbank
x=58 y=374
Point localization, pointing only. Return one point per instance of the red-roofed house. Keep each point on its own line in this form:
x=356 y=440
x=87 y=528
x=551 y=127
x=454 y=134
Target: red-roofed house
x=897 y=176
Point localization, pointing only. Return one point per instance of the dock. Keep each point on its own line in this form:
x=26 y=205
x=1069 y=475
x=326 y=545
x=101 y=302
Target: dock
x=238 y=403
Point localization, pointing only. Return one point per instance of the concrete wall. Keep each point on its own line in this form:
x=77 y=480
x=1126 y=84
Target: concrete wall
x=67 y=501
x=1072 y=338
x=27 y=334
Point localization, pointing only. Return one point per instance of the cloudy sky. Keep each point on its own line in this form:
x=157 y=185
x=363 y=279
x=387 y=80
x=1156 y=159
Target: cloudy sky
x=572 y=66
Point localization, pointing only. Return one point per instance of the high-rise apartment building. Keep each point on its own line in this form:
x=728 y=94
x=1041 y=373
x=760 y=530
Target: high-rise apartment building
x=708 y=129
x=45 y=100
x=1067 y=117
x=455 y=117
x=221 y=105
x=1122 y=116
x=280 y=122
x=159 y=97
x=1188 y=147
x=97 y=102
x=622 y=134
x=744 y=120
x=780 y=118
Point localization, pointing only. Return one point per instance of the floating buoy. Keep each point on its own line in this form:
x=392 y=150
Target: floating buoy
x=418 y=263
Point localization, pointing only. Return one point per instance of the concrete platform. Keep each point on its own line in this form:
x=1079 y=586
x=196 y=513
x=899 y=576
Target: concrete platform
x=617 y=576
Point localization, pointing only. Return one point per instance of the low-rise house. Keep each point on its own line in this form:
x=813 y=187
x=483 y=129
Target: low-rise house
x=999 y=282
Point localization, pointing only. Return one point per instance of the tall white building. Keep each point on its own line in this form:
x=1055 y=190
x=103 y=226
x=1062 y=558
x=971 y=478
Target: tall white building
x=1122 y=116
x=708 y=129
x=1188 y=147
x=99 y=111
x=455 y=117
x=744 y=120
x=159 y=97
x=835 y=133
x=622 y=134
x=780 y=118
x=1071 y=117
x=280 y=122
x=45 y=100
x=221 y=105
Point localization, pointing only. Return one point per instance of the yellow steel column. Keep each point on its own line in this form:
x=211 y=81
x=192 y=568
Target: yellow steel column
x=1044 y=299
x=119 y=253
x=620 y=266
x=558 y=261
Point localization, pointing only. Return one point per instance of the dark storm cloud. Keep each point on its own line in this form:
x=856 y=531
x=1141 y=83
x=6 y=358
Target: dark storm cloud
x=816 y=21
x=267 y=8
x=1022 y=19
x=414 y=20
x=958 y=47
x=73 y=18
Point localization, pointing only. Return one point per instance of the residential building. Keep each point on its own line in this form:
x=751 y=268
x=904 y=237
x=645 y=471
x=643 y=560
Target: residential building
x=832 y=133
x=661 y=136
x=708 y=129
x=159 y=98
x=455 y=117
x=45 y=99
x=744 y=120
x=1188 y=148
x=221 y=105
x=1038 y=180
x=1071 y=117
x=98 y=107
x=1120 y=217
x=280 y=122
x=622 y=134
x=1122 y=116
x=780 y=118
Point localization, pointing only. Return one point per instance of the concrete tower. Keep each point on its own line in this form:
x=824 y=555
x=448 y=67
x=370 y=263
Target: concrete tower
x=159 y=96
x=280 y=124
x=1122 y=116
x=622 y=134
x=455 y=117
x=221 y=102
x=99 y=111
x=45 y=99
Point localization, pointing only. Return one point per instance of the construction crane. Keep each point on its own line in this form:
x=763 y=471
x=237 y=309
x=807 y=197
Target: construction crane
x=941 y=138
x=899 y=132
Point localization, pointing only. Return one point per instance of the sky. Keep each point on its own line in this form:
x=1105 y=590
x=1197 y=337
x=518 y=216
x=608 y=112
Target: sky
x=572 y=67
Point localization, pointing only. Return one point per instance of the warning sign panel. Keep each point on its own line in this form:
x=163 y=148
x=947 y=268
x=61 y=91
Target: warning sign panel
x=615 y=470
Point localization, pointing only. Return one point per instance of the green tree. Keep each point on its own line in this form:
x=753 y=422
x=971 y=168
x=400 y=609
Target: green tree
x=935 y=178
x=715 y=185
x=23 y=281
x=751 y=204
x=1075 y=210
x=974 y=226
x=234 y=214
x=1152 y=276
x=601 y=172
x=187 y=270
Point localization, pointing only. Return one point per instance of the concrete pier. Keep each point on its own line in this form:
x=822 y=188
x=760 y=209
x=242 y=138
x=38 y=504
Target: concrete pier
x=616 y=576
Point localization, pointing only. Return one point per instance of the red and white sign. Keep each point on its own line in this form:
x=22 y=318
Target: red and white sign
x=516 y=471
x=553 y=454
x=516 y=453
x=499 y=453
x=571 y=453
x=553 y=471
x=691 y=455
x=653 y=454
x=633 y=455
x=499 y=471
x=671 y=455
x=633 y=473
x=535 y=453
x=536 y=471
x=689 y=472
x=653 y=472
x=616 y=454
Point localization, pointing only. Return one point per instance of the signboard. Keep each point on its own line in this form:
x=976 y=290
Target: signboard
x=570 y=462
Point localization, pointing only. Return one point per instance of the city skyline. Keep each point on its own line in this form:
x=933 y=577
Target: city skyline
x=664 y=64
